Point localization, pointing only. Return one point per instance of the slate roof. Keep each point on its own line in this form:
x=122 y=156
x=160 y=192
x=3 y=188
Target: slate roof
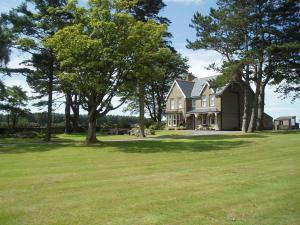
x=285 y=118
x=199 y=83
x=186 y=87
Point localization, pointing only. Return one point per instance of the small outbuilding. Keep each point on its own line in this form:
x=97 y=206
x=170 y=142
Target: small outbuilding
x=286 y=123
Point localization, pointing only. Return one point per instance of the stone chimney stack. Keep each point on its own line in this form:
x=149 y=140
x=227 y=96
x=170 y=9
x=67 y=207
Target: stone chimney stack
x=190 y=77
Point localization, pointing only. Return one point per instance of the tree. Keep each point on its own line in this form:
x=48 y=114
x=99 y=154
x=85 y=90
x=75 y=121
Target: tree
x=169 y=67
x=146 y=10
x=5 y=43
x=13 y=105
x=221 y=31
x=101 y=52
x=245 y=32
x=287 y=52
x=30 y=26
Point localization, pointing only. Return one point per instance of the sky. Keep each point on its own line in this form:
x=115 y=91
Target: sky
x=180 y=12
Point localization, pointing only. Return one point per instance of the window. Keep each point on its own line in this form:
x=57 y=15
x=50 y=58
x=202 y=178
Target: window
x=172 y=102
x=212 y=119
x=203 y=101
x=211 y=100
x=193 y=103
x=172 y=121
x=169 y=120
x=204 y=119
x=180 y=105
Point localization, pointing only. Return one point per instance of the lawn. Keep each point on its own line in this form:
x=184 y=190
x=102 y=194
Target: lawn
x=231 y=179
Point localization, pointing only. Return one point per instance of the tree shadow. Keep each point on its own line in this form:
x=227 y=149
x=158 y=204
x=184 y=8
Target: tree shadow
x=174 y=146
x=167 y=143
x=212 y=137
x=26 y=147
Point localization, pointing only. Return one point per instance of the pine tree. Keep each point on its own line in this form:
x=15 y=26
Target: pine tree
x=31 y=23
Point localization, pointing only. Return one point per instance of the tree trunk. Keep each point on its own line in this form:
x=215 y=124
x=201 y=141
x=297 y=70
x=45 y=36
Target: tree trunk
x=159 y=113
x=91 y=135
x=68 y=128
x=75 y=117
x=14 y=122
x=245 y=111
x=50 y=102
x=253 y=119
x=261 y=108
x=8 y=121
x=246 y=102
x=142 y=109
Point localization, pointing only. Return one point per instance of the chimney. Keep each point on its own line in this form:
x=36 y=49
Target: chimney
x=190 y=77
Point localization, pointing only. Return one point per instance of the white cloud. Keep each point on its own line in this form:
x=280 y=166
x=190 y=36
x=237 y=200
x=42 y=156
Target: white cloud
x=186 y=1
x=200 y=60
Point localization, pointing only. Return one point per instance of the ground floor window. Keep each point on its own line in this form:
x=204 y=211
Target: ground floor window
x=212 y=119
x=172 y=121
x=204 y=119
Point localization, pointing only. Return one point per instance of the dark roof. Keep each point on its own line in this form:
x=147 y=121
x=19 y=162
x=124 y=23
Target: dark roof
x=204 y=110
x=286 y=118
x=186 y=87
x=199 y=83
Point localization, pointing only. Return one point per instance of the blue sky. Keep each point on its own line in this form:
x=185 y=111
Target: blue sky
x=180 y=12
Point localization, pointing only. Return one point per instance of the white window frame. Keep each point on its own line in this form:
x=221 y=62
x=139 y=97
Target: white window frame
x=211 y=100
x=172 y=103
x=174 y=120
x=203 y=101
x=169 y=120
x=180 y=103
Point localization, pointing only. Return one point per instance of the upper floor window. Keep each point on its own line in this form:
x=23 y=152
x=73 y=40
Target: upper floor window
x=211 y=100
x=203 y=101
x=180 y=103
x=172 y=102
x=193 y=103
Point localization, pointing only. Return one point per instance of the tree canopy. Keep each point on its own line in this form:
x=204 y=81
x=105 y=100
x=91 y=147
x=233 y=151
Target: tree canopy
x=102 y=51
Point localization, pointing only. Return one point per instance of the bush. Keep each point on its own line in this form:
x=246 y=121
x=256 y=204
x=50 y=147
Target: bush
x=28 y=134
x=157 y=126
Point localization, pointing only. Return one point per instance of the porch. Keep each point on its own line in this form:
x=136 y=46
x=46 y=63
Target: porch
x=204 y=120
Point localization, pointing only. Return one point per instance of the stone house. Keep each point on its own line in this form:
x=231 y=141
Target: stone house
x=194 y=104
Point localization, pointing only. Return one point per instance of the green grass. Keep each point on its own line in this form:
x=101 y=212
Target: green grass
x=229 y=179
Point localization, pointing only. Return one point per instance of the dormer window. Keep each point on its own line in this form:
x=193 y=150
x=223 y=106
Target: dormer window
x=172 y=102
x=203 y=101
x=211 y=100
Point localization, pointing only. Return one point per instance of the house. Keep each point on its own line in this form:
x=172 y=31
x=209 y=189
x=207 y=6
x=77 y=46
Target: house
x=286 y=123
x=194 y=104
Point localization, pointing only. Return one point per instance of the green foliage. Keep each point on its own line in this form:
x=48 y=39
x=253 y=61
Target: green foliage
x=102 y=51
x=13 y=105
x=5 y=43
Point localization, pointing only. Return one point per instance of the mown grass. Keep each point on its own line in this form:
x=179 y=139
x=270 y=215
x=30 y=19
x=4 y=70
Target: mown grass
x=229 y=179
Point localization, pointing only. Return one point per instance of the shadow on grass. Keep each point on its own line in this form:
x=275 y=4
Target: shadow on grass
x=16 y=148
x=212 y=137
x=192 y=144
x=170 y=144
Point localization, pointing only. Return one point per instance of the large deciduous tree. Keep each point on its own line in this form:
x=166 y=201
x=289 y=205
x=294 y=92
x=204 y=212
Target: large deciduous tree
x=101 y=52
